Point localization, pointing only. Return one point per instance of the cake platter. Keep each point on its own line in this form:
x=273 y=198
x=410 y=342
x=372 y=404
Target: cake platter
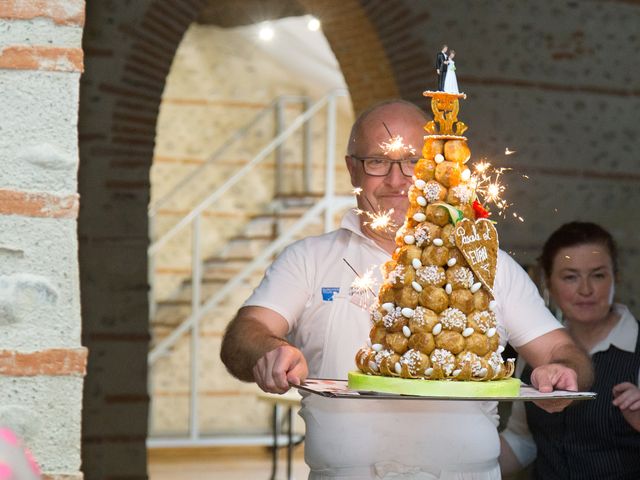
x=508 y=387
x=410 y=389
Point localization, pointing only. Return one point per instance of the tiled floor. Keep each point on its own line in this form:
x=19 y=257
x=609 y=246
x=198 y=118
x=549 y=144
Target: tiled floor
x=230 y=463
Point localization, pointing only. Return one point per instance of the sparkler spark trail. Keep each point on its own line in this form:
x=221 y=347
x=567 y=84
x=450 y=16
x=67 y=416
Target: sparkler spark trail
x=509 y=152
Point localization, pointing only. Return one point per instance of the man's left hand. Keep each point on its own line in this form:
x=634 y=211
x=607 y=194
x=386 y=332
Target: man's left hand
x=550 y=377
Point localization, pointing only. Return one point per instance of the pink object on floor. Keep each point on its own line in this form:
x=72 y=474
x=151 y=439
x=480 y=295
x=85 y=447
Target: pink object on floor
x=16 y=462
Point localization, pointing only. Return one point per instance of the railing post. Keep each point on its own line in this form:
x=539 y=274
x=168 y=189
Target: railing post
x=307 y=168
x=329 y=189
x=151 y=274
x=196 y=283
x=279 y=170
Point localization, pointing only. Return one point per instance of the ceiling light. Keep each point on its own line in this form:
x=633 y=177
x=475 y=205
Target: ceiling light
x=266 y=33
x=313 y=24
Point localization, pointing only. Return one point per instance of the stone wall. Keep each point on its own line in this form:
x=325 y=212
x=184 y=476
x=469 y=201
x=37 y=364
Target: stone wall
x=42 y=363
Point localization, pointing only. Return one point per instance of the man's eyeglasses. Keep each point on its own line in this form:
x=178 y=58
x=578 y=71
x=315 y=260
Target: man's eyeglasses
x=381 y=166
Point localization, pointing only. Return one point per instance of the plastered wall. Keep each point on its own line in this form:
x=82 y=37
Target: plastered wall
x=42 y=362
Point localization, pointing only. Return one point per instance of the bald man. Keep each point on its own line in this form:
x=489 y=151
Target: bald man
x=305 y=296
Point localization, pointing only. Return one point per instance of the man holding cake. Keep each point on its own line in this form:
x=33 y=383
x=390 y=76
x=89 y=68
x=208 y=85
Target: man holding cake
x=305 y=296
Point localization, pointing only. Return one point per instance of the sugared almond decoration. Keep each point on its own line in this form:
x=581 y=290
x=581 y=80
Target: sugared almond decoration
x=407 y=312
x=465 y=175
x=448 y=288
x=439 y=158
x=420 y=184
x=409 y=239
x=419 y=217
x=421 y=201
x=475 y=287
x=406 y=331
x=388 y=307
x=467 y=332
x=438 y=242
x=373 y=366
x=377 y=347
x=491 y=332
x=437 y=328
x=416 y=286
x=428 y=372
x=416 y=263
x=452 y=261
x=398 y=368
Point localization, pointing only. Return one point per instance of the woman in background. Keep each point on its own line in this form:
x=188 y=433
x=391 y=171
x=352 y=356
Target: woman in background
x=594 y=439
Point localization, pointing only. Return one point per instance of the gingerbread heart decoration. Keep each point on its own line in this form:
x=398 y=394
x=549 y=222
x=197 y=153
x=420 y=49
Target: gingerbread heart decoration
x=478 y=242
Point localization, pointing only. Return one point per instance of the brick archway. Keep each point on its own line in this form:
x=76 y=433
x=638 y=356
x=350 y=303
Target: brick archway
x=129 y=50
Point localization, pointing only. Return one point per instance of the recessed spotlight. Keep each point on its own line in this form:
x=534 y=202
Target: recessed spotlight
x=313 y=24
x=266 y=33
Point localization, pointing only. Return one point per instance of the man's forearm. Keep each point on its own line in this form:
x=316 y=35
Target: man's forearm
x=577 y=359
x=245 y=341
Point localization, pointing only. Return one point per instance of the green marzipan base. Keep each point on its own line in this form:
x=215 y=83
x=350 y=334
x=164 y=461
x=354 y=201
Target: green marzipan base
x=509 y=387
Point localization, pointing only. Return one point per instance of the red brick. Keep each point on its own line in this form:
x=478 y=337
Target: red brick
x=51 y=362
x=38 y=57
x=63 y=476
x=62 y=12
x=29 y=204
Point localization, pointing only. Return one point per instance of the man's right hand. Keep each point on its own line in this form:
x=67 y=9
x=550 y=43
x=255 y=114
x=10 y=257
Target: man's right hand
x=276 y=369
x=438 y=71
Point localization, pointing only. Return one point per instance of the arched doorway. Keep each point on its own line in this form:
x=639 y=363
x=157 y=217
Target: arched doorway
x=129 y=49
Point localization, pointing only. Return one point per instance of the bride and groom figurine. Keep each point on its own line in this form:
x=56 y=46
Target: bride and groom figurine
x=446 y=70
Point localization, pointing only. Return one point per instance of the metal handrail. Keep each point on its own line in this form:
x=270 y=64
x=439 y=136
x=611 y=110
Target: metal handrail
x=206 y=203
x=335 y=203
x=327 y=205
x=235 y=137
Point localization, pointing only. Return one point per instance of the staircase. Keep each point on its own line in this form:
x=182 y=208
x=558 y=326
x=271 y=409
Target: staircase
x=195 y=402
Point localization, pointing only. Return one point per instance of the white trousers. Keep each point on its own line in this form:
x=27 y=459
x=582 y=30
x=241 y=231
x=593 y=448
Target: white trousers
x=400 y=439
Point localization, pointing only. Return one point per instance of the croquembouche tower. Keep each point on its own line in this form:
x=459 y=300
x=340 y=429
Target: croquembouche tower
x=435 y=318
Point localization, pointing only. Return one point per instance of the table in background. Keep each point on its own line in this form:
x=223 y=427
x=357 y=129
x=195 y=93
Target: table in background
x=289 y=401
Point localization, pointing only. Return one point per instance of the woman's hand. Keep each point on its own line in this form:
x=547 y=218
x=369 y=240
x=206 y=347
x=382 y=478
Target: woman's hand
x=626 y=396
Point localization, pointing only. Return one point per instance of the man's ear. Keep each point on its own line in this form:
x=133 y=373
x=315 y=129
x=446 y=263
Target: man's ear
x=351 y=166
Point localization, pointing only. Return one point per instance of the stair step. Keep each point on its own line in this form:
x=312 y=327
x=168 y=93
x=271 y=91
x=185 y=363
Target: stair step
x=245 y=246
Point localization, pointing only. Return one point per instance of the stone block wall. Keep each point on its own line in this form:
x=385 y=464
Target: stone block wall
x=42 y=362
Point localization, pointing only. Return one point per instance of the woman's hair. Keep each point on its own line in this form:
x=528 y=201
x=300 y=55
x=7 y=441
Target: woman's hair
x=573 y=234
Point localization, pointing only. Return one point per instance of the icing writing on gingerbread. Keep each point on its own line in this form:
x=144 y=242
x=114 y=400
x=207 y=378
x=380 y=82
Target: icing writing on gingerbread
x=474 y=237
x=478 y=255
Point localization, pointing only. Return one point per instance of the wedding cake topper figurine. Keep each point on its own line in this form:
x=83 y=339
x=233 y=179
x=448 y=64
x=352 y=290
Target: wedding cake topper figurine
x=450 y=79
x=441 y=66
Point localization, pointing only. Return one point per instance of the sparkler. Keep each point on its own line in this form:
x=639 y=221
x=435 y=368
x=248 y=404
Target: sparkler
x=396 y=145
x=362 y=285
x=378 y=221
x=489 y=188
x=509 y=152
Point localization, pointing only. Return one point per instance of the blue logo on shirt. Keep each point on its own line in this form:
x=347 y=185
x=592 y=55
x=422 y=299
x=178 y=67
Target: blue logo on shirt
x=329 y=292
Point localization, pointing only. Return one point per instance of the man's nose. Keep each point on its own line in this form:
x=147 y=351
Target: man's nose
x=395 y=175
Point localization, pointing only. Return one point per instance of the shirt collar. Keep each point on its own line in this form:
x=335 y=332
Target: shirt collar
x=623 y=335
x=351 y=222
